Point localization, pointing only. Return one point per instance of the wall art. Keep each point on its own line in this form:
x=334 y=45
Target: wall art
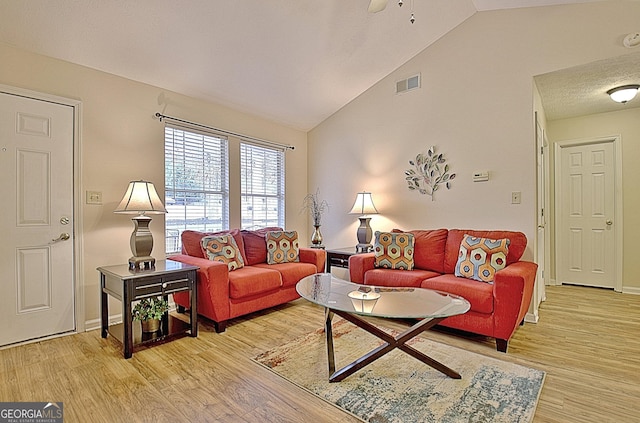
x=429 y=172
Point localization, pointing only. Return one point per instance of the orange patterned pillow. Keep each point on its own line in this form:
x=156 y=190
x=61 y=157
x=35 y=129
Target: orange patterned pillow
x=223 y=248
x=480 y=258
x=282 y=247
x=394 y=250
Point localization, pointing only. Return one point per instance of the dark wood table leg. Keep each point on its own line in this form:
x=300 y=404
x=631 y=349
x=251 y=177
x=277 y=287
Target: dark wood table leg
x=127 y=324
x=104 y=308
x=328 y=315
x=390 y=344
x=194 y=302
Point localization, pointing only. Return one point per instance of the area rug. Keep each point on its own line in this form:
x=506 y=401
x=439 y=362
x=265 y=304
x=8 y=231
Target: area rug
x=399 y=388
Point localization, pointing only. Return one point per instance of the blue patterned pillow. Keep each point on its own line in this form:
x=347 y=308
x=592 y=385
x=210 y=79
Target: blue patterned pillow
x=480 y=258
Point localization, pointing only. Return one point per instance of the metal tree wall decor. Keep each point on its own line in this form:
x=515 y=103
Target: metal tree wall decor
x=428 y=173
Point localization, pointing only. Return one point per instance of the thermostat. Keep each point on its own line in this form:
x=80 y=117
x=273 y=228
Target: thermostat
x=481 y=176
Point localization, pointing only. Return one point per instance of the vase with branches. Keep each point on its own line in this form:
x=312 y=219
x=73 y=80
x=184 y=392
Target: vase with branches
x=316 y=208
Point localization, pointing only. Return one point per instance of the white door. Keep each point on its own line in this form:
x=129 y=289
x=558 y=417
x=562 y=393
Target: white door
x=586 y=204
x=36 y=219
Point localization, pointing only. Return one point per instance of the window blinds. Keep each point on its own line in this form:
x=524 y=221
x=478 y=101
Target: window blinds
x=262 y=186
x=196 y=183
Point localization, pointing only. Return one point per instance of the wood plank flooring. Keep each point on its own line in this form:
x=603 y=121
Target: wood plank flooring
x=587 y=340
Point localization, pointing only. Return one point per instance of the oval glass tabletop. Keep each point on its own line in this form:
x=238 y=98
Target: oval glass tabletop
x=404 y=303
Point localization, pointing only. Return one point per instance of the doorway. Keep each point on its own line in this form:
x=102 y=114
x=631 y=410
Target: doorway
x=38 y=145
x=588 y=208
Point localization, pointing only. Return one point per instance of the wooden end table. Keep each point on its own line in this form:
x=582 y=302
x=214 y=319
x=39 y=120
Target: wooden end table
x=339 y=257
x=129 y=285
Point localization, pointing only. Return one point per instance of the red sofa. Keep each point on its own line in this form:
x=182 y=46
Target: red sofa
x=496 y=308
x=223 y=295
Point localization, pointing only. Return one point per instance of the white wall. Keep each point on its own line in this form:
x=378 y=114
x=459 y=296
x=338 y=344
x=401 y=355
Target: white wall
x=122 y=141
x=625 y=123
x=476 y=107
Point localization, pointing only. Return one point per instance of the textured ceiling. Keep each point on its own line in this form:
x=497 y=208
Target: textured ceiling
x=295 y=62
x=582 y=90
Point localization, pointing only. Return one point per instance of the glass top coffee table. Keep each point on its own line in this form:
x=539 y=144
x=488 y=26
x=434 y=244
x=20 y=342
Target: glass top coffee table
x=350 y=301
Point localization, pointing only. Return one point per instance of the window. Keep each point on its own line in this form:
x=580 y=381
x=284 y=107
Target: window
x=196 y=183
x=262 y=186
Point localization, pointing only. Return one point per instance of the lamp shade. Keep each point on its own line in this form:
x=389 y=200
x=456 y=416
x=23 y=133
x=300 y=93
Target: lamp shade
x=141 y=198
x=624 y=93
x=364 y=204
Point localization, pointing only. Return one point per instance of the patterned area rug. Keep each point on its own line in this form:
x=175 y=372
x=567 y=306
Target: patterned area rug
x=399 y=388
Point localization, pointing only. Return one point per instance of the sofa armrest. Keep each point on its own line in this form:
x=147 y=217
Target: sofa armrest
x=512 y=290
x=315 y=256
x=213 y=282
x=359 y=264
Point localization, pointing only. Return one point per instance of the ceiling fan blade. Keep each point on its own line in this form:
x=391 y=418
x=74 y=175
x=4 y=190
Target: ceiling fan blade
x=376 y=6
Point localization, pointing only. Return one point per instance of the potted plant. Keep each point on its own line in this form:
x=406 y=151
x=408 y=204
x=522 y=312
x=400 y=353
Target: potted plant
x=149 y=311
x=316 y=208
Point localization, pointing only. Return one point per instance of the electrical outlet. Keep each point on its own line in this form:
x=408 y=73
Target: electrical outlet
x=516 y=197
x=94 y=197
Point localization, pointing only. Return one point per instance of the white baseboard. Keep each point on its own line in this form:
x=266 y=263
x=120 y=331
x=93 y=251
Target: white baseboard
x=631 y=290
x=94 y=324
x=531 y=317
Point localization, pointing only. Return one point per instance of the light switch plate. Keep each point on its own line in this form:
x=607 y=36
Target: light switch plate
x=516 y=197
x=94 y=197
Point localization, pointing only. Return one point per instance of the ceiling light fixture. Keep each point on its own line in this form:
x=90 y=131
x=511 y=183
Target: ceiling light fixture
x=376 y=6
x=623 y=93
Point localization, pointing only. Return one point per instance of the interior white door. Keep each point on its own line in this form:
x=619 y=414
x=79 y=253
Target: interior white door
x=587 y=209
x=36 y=219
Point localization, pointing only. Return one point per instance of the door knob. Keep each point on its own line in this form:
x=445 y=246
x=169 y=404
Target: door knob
x=609 y=222
x=63 y=237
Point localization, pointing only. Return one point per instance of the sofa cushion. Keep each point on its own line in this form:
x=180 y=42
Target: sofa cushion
x=223 y=248
x=291 y=273
x=191 y=242
x=428 y=251
x=282 y=247
x=255 y=245
x=480 y=258
x=388 y=277
x=393 y=250
x=517 y=245
x=479 y=294
x=252 y=280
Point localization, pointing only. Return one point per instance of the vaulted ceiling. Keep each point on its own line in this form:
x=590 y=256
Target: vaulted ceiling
x=295 y=62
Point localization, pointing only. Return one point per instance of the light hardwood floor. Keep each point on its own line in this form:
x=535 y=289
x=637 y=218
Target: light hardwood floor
x=587 y=340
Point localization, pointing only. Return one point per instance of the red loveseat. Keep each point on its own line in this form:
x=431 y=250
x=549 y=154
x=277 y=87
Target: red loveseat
x=496 y=308
x=223 y=295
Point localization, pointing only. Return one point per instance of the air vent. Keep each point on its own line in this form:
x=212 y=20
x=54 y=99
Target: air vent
x=408 y=84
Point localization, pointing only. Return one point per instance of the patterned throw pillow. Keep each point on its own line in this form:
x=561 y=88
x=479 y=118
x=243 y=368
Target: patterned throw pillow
x=223 y=248
x=393 y=250
x=282 y=247
x=480 y=258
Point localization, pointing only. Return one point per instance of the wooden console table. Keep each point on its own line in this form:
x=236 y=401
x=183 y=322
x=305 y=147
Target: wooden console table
x=129 y=285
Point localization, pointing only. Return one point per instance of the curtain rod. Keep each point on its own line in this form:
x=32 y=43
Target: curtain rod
x=234 y=134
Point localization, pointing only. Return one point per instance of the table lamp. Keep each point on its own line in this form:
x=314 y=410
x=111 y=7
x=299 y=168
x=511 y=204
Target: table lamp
x=141 y=199
x=364 y=206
